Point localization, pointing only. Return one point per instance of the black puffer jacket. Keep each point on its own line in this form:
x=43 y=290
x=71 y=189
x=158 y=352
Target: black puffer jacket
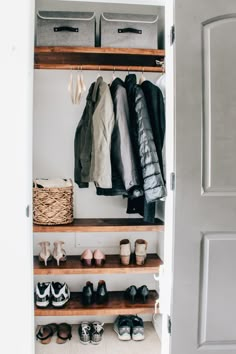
x=153 y=183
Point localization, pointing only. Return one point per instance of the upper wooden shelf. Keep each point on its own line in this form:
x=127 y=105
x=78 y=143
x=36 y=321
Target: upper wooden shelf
x=96 y=58
x=102 y=225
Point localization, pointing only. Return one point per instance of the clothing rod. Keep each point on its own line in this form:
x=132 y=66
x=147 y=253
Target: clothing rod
x=100 y=67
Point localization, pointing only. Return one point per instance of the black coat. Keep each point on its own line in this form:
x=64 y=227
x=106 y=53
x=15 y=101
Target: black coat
x=143 y=139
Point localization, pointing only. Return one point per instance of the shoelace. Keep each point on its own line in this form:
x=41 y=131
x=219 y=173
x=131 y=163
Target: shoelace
x=85 y=329
x=98 y=327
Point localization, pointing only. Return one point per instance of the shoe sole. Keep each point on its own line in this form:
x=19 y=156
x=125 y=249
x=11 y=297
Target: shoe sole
x=138 y=337
x=85 y=343
x=60 y=303
x=42 y=304
x=95 y=343
x=125 y=337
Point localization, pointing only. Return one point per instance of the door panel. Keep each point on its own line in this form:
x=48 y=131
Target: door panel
x=204 y=287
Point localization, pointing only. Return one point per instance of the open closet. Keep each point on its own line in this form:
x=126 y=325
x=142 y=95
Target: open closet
x=100 y=221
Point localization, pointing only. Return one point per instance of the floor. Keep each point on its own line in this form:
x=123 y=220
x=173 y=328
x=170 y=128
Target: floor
x=110 y=344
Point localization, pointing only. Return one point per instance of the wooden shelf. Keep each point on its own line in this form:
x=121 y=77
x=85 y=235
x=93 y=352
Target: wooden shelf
x=95 y=58
x=116 y=305
x=111 y=266
x=102 y=225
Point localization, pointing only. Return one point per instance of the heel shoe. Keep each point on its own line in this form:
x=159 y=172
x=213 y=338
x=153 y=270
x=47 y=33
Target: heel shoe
x=86 y=257
x=88 y=294
x=58 y=252
x=131 y=293
x=102 y=293
x=99 y=258
x=125 y=251
x=45 y=254
x=143 y=293
x=140 y=251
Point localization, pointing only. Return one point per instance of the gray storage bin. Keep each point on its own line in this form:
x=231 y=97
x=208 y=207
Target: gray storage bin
x=129 y=31
x=63 y=28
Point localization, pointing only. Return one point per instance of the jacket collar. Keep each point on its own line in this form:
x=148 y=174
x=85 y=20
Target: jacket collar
x=96 y=87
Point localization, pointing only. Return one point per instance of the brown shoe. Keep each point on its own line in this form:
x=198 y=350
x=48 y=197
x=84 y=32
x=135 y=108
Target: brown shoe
x=140 y=251
x=125 y=251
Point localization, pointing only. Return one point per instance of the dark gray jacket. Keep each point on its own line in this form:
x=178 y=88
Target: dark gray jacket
x=153 y=183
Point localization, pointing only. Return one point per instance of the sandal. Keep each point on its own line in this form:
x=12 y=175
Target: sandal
x=46 y=332
x=63 y=333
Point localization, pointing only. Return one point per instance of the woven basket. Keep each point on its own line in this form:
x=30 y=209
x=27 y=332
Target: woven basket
x=52 y=206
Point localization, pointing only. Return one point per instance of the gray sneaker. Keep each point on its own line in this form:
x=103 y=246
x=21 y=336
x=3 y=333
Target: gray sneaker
x=84 y=332
x=123 y=327
x=137 y=328
x=97 y=331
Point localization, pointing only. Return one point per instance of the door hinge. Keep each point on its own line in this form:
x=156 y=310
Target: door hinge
x=172 y=35
x=172 y=181
x=169 y=325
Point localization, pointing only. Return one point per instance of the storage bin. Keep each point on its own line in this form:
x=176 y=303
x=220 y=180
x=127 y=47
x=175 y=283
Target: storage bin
x=63 y=28
x=52 y=205
x=129 y=30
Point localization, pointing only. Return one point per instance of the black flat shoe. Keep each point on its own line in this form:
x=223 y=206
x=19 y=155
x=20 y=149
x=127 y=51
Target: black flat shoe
x=88 y=294
x=102 y=293
x=131 y=293
x=143 y=293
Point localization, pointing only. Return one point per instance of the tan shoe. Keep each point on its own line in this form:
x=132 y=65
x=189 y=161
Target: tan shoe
x=45 y=253
x=58 y=252
x=125 y=251
x=140 y=251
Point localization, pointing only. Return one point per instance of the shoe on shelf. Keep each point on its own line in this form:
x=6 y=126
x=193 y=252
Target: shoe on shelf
x=63 y=333
x=86 y=257
x=84 y=331
x=43 y=294
x=123 y=327
x=143 y=293
x=58 y=252
x=125 y=251
x=88 y=294
x=140 y=251
x=137 y=328
x=99 y=258
x=45 y=253
x=45 y=333
x=102 y=293
x=60 y=294
x=97 y=331
x=131 y=293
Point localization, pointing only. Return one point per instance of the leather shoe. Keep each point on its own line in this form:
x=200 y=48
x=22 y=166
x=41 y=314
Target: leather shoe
x=102 y=293
x=88 y=294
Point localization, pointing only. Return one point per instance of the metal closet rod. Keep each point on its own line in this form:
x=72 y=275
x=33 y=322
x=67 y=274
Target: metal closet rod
x=101 y=67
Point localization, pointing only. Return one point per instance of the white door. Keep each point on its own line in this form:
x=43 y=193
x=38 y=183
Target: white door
x=204 y=268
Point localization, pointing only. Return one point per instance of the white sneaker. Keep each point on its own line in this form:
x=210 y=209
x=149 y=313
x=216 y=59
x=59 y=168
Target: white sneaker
x=43 y=294
x=60 y=294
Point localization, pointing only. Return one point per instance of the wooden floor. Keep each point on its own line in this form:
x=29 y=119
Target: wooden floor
x=110 y=344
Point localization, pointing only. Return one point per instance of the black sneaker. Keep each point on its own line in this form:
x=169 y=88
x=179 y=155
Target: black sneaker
x=60 y=294
x=96 y=333
x=84 y=330
x=123 y=327
x=137 y=328
x=43 y=294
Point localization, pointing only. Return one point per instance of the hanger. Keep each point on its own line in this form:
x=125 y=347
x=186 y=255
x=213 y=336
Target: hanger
x=142 y=78
x=83 y=86
x=98 y=74
x=78 y=89
x=71 y=87
x=113 y=75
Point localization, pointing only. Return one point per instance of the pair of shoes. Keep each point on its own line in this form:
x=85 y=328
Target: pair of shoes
x=90 y=332
x=88 y=257
x=129 y=327
x=57 y=294
x=58 y=252
x=134 y=294
x=45 y=333
x=140 y=250
x=89 y=296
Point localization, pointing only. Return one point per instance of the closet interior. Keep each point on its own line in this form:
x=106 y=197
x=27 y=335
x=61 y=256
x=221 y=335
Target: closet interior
x=100 y=222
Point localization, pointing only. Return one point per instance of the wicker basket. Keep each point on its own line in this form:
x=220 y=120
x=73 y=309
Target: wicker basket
x=52 y=206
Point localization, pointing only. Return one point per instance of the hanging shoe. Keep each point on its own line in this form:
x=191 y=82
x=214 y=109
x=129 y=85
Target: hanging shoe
x=60 y=294
x=143 y=293
x=63 y=333
x=58 y=252
x=96 y=333
x=84 y=331
x=86 y=257
x=137 y=328
x=45 y=253
x=131 y=293
x=123 y=327
x=140 y=251
x=102 y=293
x=43 y=294
x=88 y=294
x=125 y=251
x=99 y=258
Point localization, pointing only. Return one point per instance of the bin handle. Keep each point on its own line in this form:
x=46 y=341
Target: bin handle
x=129 y=30
x=66 y=29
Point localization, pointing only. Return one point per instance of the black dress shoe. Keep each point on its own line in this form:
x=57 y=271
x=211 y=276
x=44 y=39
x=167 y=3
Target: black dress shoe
x=88 y=294
x=102 y=293
x=143 y=293
x=131 y=293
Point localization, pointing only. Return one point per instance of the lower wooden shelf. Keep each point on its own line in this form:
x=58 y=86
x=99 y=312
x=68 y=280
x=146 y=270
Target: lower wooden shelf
x=116 y=305
x=111 y=266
